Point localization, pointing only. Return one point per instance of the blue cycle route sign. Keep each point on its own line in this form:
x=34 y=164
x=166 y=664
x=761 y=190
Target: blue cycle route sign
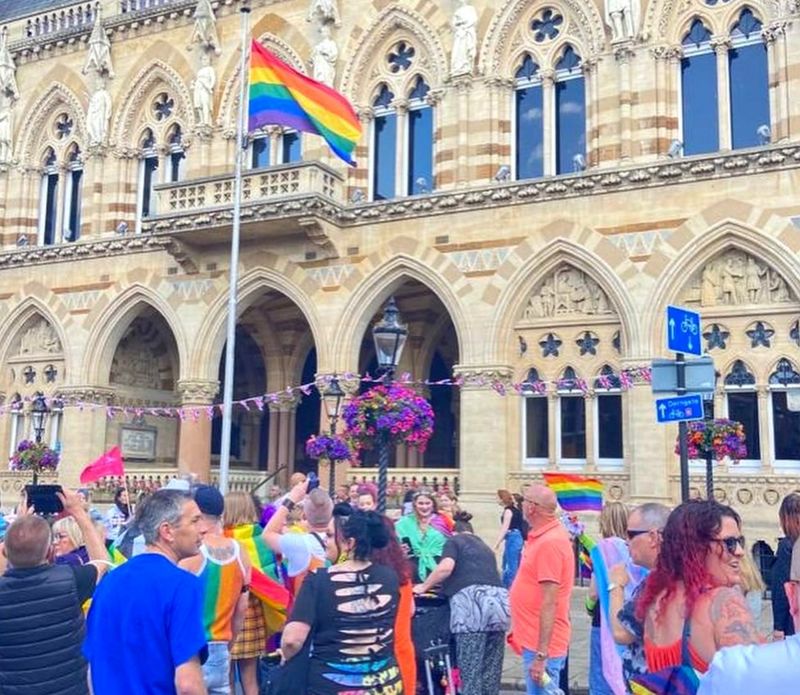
x=680 y=408
x=683 y=331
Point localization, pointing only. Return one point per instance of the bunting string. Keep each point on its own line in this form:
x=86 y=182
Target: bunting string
x=617 y=382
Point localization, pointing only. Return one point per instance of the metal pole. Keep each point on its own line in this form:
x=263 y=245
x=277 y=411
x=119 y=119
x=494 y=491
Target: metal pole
x=230 y=345
x=682 y=428
x=383 y=455
x=709 y=476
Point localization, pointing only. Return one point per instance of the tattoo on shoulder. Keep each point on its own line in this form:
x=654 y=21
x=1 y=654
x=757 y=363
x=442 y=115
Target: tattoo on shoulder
x=731 y=619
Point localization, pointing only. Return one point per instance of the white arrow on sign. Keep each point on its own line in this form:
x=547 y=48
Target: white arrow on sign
x=663 y=410
x=672 y=329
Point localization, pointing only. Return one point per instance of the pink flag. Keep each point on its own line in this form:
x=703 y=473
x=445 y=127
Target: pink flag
x=109 y=463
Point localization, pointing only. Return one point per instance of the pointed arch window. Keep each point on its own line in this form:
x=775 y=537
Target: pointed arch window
x=529 y=124
x=71 y=229
x=536 y=430
x=291 y=147
x=570 y=117
x=148 y=169
x=699 y=106
x=384 y=145
x=420 y=140
x=609 y=447
x=742 y=401
x=748 y=75
x=48 y=199
x=571 y=423
x=259 y=151
x=784 y=384
x=177 y=155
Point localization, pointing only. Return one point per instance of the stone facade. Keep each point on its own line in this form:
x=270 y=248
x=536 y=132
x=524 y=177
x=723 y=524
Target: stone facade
x=494 y=276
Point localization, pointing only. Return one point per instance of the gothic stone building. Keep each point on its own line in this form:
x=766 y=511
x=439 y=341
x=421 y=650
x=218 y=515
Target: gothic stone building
x=536 y=181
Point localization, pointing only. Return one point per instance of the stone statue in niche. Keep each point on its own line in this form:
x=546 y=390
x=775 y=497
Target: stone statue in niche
x=99 y=112
x=205 y=28
x=99 y=59
x=622 y=17
x=465 y=39
x=735 y=278
x=203 y=90
x=39 y=338
x=324 y=11
x=9 y=94
x=566 y=292
x=324 y=57
x=134 y=366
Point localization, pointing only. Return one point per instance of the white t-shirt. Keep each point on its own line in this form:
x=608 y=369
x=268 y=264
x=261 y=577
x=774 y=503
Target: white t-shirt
x=298 y=549
x=763 y=668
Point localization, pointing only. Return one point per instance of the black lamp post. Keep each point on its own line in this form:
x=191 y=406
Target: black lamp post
x=39 y=413
x=332 y=398
x=708 y=412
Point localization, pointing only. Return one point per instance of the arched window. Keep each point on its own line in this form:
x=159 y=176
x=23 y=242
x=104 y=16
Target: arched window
x=742 y=401
x=384 y=145
x=148 y=170
x=259 y=150
x=536 y=429
x=71 y=229
x=699 y=108
x=529 y=114
x=570 y=97
x=48 y=199
x=784 y=385
x=420 y=140
x=291 y=147
x=608 y=419
x=571 y=422
x=177 y=157
x=748 y=74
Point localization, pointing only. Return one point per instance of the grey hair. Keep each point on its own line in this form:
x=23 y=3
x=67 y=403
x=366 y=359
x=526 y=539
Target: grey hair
x=654 y=515
x=163 y=506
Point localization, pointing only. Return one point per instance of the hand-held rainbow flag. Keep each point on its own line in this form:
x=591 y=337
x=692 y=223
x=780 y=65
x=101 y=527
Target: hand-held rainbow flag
x=280 y=95
x=576 y=493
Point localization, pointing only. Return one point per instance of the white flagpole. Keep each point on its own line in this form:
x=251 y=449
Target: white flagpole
x=230 y=345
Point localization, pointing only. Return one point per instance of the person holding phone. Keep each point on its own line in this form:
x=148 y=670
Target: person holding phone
x=30 y=589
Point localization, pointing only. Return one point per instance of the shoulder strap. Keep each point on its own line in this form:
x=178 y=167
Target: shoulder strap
x=319 y=540
x=686 y=659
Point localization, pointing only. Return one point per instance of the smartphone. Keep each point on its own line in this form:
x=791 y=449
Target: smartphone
x=313 y=481
x=43 y=499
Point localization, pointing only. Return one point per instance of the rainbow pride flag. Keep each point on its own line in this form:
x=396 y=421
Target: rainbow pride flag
x=681 y=680
x=280 y=95
x=576 y=493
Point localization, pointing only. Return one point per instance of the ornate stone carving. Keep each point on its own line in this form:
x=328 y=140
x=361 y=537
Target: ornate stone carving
x=39 y=338
x=133 y=366
x=324 y=11
x=203 y=91
x=622 y=17
x=566 y=292
x=323 y=57
x=99 y=113
x=736 y=278
x=465 y=39
x=198 y=392
x=99 y=58
x=9 y=95
x=204 y=32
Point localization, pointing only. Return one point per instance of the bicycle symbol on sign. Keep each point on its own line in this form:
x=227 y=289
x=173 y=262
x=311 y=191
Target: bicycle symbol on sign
x=689 y=326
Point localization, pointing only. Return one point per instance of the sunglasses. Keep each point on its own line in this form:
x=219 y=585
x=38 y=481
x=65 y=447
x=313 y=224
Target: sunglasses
x=731 y=543
x=632 y=533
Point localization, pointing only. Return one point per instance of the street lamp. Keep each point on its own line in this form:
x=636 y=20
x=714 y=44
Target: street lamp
x=708 y=411
x=390 y=338
x=332 y=398
x=39 y=413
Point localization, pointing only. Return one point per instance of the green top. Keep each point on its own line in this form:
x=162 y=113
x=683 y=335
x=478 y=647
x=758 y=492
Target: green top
x=426 y=547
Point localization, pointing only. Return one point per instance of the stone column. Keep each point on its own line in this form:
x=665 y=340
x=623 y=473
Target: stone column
x=463 y=87
x=83 y=430
x=721 y=45
x=552 y=439
x=765 y=431
x=591 y=85
x=194 y=433
x=272 y=445
x=401 y=148
x=591 y=405
x=623 y=55
x=779 y=103
x=549 y=121
x=94 y=187
x=483 y=465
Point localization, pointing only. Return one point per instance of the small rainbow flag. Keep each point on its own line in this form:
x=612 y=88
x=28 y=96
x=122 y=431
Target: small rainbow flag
x=576 y=493
x=280 y=95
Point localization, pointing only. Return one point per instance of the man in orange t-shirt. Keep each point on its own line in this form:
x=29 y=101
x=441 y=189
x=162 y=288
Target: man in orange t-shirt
x=540 y=594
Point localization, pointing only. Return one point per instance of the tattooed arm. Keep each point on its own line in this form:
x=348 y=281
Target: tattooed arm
x=731 y=619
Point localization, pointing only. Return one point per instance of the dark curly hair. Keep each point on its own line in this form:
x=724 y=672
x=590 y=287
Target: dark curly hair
x=687 y=535
x=367 y=530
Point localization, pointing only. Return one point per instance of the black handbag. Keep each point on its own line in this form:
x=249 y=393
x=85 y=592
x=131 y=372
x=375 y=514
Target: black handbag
x=290 y=678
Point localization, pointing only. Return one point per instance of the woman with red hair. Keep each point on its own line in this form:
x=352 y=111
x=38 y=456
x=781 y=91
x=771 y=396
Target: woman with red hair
x=693 y=594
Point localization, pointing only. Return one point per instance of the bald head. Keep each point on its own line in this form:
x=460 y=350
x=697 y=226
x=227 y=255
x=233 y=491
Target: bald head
x=545 y=498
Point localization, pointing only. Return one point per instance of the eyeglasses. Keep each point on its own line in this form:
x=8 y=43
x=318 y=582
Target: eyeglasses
x=632 y=533
x=731 y=543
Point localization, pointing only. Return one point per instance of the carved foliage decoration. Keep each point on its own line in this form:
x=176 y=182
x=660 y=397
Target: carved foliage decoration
x=142 y=358
x=736 y=278
x=37 y=131
x=567 y=292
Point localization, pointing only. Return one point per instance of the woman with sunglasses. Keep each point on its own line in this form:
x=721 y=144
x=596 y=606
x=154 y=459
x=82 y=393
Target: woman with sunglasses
x=693 y=593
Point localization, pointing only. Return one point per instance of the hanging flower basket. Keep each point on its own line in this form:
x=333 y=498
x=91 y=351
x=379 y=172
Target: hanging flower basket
x=723 y=438
x=395 y=412
x=34 y=457
x=326 y=447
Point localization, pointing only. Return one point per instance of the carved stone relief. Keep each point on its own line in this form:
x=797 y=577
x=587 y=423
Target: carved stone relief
x=566 y=292
x=37 y=338
x=141 y=358
x=736 y=278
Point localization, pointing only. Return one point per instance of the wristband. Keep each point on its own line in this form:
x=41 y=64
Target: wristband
x=289 y=504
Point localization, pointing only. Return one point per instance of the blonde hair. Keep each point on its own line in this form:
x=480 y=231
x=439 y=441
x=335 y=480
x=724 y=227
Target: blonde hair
x=505 y=497
x=614 y=520
x=751 y=577
x=70 y=527
x=239 y=510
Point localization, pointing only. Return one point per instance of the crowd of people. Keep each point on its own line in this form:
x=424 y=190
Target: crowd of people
x=194 y=592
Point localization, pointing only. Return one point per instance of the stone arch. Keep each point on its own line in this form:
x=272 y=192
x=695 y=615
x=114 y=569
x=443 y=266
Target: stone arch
x=505 y=35
x=665 y=20
x=229 y=98
x=35 y=136
x=131 y=118
x=513 y=59
x=732 y=12
x=376 y=286
x=29 y=308
x=393 y=24
x=694 y=244
x=588 y=251
x=110 y=322
x=212 y=333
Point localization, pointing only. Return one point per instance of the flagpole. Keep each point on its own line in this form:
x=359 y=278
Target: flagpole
x=230 y=344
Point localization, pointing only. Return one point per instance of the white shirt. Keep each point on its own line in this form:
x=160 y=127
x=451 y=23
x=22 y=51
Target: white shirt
x=765 y=668
x=298 y=549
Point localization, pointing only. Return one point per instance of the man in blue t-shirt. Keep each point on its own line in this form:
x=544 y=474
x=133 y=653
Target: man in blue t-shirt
x=145 y=628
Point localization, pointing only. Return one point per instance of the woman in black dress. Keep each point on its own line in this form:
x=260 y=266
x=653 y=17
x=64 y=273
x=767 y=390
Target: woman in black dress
x=348 y=612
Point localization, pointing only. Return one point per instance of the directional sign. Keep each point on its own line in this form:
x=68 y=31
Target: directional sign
x=680 y=408
x=700 y=375
x=683 y=331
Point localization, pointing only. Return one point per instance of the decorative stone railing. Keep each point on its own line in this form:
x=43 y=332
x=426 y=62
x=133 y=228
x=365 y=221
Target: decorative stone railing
x=64 y=19
x=403 y=479
x=139 y=5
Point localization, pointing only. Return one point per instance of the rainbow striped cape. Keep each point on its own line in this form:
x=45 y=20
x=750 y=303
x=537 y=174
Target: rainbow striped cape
x=280 y=95
x=576 y=493
x=267 y=582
